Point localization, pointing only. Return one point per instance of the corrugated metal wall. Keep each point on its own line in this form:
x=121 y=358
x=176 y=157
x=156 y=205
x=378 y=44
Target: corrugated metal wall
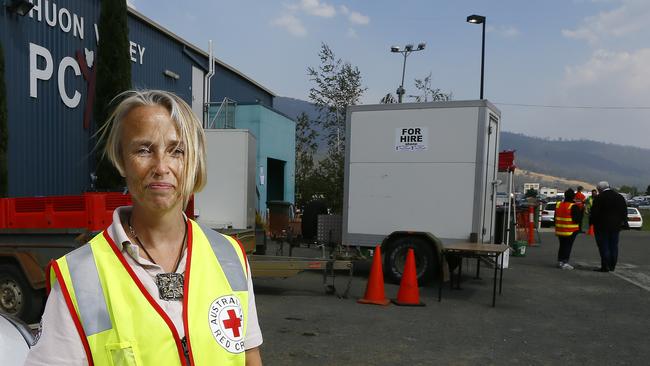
x=48 y=146
x=160 y=53
x=49 y=150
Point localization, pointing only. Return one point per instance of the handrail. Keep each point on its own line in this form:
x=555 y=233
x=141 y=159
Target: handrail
x=227 y=102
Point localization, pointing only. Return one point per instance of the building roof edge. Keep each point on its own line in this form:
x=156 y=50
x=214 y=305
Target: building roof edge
x=196 y=49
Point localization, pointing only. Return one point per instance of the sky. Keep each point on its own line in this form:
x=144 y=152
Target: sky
x=570 y=69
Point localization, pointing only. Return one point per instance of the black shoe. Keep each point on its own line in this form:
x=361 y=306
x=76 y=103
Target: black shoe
x=601 y=270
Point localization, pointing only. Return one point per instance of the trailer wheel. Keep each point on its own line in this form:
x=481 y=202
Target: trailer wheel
x=395 y=258
x=17 y=298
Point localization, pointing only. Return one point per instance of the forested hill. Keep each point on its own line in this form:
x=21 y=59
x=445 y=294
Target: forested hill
x=583 y=160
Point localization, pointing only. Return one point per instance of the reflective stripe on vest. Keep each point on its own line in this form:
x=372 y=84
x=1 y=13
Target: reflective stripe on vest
x=228 y=259
x=95 y=313
x=564 y=225
x=88 y=291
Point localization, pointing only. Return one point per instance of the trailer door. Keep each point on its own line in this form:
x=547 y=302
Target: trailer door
x=489 y=195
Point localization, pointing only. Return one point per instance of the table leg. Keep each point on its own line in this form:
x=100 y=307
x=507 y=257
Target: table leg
x=451 y=277
x=501 y=275
x=494 y=283
x=460 y=273
x=478 y=268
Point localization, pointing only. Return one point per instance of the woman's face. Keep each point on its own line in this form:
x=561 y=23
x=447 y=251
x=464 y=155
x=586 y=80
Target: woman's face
x=153 y=158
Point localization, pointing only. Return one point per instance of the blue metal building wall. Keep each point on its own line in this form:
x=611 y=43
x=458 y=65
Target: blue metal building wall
x=163 y=52
x=226 y=83
x=160 y=53
x=48 y=147
x=49 y=151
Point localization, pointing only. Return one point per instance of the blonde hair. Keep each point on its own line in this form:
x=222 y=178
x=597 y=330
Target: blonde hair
x=187 y=125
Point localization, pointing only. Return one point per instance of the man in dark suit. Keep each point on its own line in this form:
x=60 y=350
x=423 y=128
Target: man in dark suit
x=608 y=215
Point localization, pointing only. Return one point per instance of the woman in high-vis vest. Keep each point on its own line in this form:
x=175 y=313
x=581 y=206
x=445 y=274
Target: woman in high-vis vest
x=154 y=288
x=567 y=218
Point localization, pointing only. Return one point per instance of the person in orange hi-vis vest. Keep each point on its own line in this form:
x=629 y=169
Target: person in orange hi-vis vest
x=580 y=198
x=567 y=218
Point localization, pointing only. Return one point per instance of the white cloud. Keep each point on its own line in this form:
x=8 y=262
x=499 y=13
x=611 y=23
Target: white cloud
x=292 y=24
x=316 y=8
x=605 y=79
x=629 y=18
x=620 y=77
x=353 y=16
x=291 y=20
x=504 y=31
x=358 y=18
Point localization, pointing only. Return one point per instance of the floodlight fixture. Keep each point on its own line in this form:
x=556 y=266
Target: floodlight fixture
x=408 y=49
x=171 y=74
x=476 y=19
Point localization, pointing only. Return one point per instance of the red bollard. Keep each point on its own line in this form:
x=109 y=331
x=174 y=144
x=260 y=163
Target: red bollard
x=531 y=225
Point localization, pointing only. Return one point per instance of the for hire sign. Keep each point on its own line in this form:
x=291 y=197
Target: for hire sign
x=43 y=67
x=411 y=138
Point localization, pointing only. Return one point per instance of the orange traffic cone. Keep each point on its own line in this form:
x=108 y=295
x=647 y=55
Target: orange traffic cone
x=375 y=288
x=409 y=294
x=591 y=230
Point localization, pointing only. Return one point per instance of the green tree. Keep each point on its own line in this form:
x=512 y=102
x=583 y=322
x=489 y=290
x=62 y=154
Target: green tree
x=647 y=190
x=532 y=192
x=388 y=99
x=337 y=85
x=4 y=133
x=633 y=191
x=427 y=93
x=305 y=167
x=113 y=78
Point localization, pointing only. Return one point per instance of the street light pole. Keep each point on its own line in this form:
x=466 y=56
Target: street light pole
x=408 y=49
x=482 y=58
x=400 y=90
x=479 y=19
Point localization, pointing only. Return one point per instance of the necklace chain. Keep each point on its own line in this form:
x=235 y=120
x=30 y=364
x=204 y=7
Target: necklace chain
x=180 y=252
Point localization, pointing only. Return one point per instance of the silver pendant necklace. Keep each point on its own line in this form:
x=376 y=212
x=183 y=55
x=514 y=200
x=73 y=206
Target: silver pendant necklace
x=170 y=285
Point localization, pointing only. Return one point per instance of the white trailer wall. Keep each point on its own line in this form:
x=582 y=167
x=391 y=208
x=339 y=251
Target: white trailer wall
x=228 y=199
x=439 y=187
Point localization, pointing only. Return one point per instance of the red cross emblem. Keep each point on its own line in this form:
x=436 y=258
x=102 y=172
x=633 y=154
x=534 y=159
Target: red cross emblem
x=233 y=323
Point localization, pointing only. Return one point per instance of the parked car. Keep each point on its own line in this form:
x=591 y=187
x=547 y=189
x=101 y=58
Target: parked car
x=547 y=215
x=634 y=218
x=15 y=340
x=502 y=199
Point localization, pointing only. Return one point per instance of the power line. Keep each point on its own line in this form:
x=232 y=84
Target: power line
x=574 y=106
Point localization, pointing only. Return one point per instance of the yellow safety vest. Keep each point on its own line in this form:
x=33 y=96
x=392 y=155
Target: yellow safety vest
x=564 y=225
x=121 y=324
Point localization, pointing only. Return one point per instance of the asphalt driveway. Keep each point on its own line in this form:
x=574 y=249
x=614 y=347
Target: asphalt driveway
x=545 y=316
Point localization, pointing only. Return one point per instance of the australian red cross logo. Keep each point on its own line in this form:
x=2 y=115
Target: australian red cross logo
x=227 y=323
